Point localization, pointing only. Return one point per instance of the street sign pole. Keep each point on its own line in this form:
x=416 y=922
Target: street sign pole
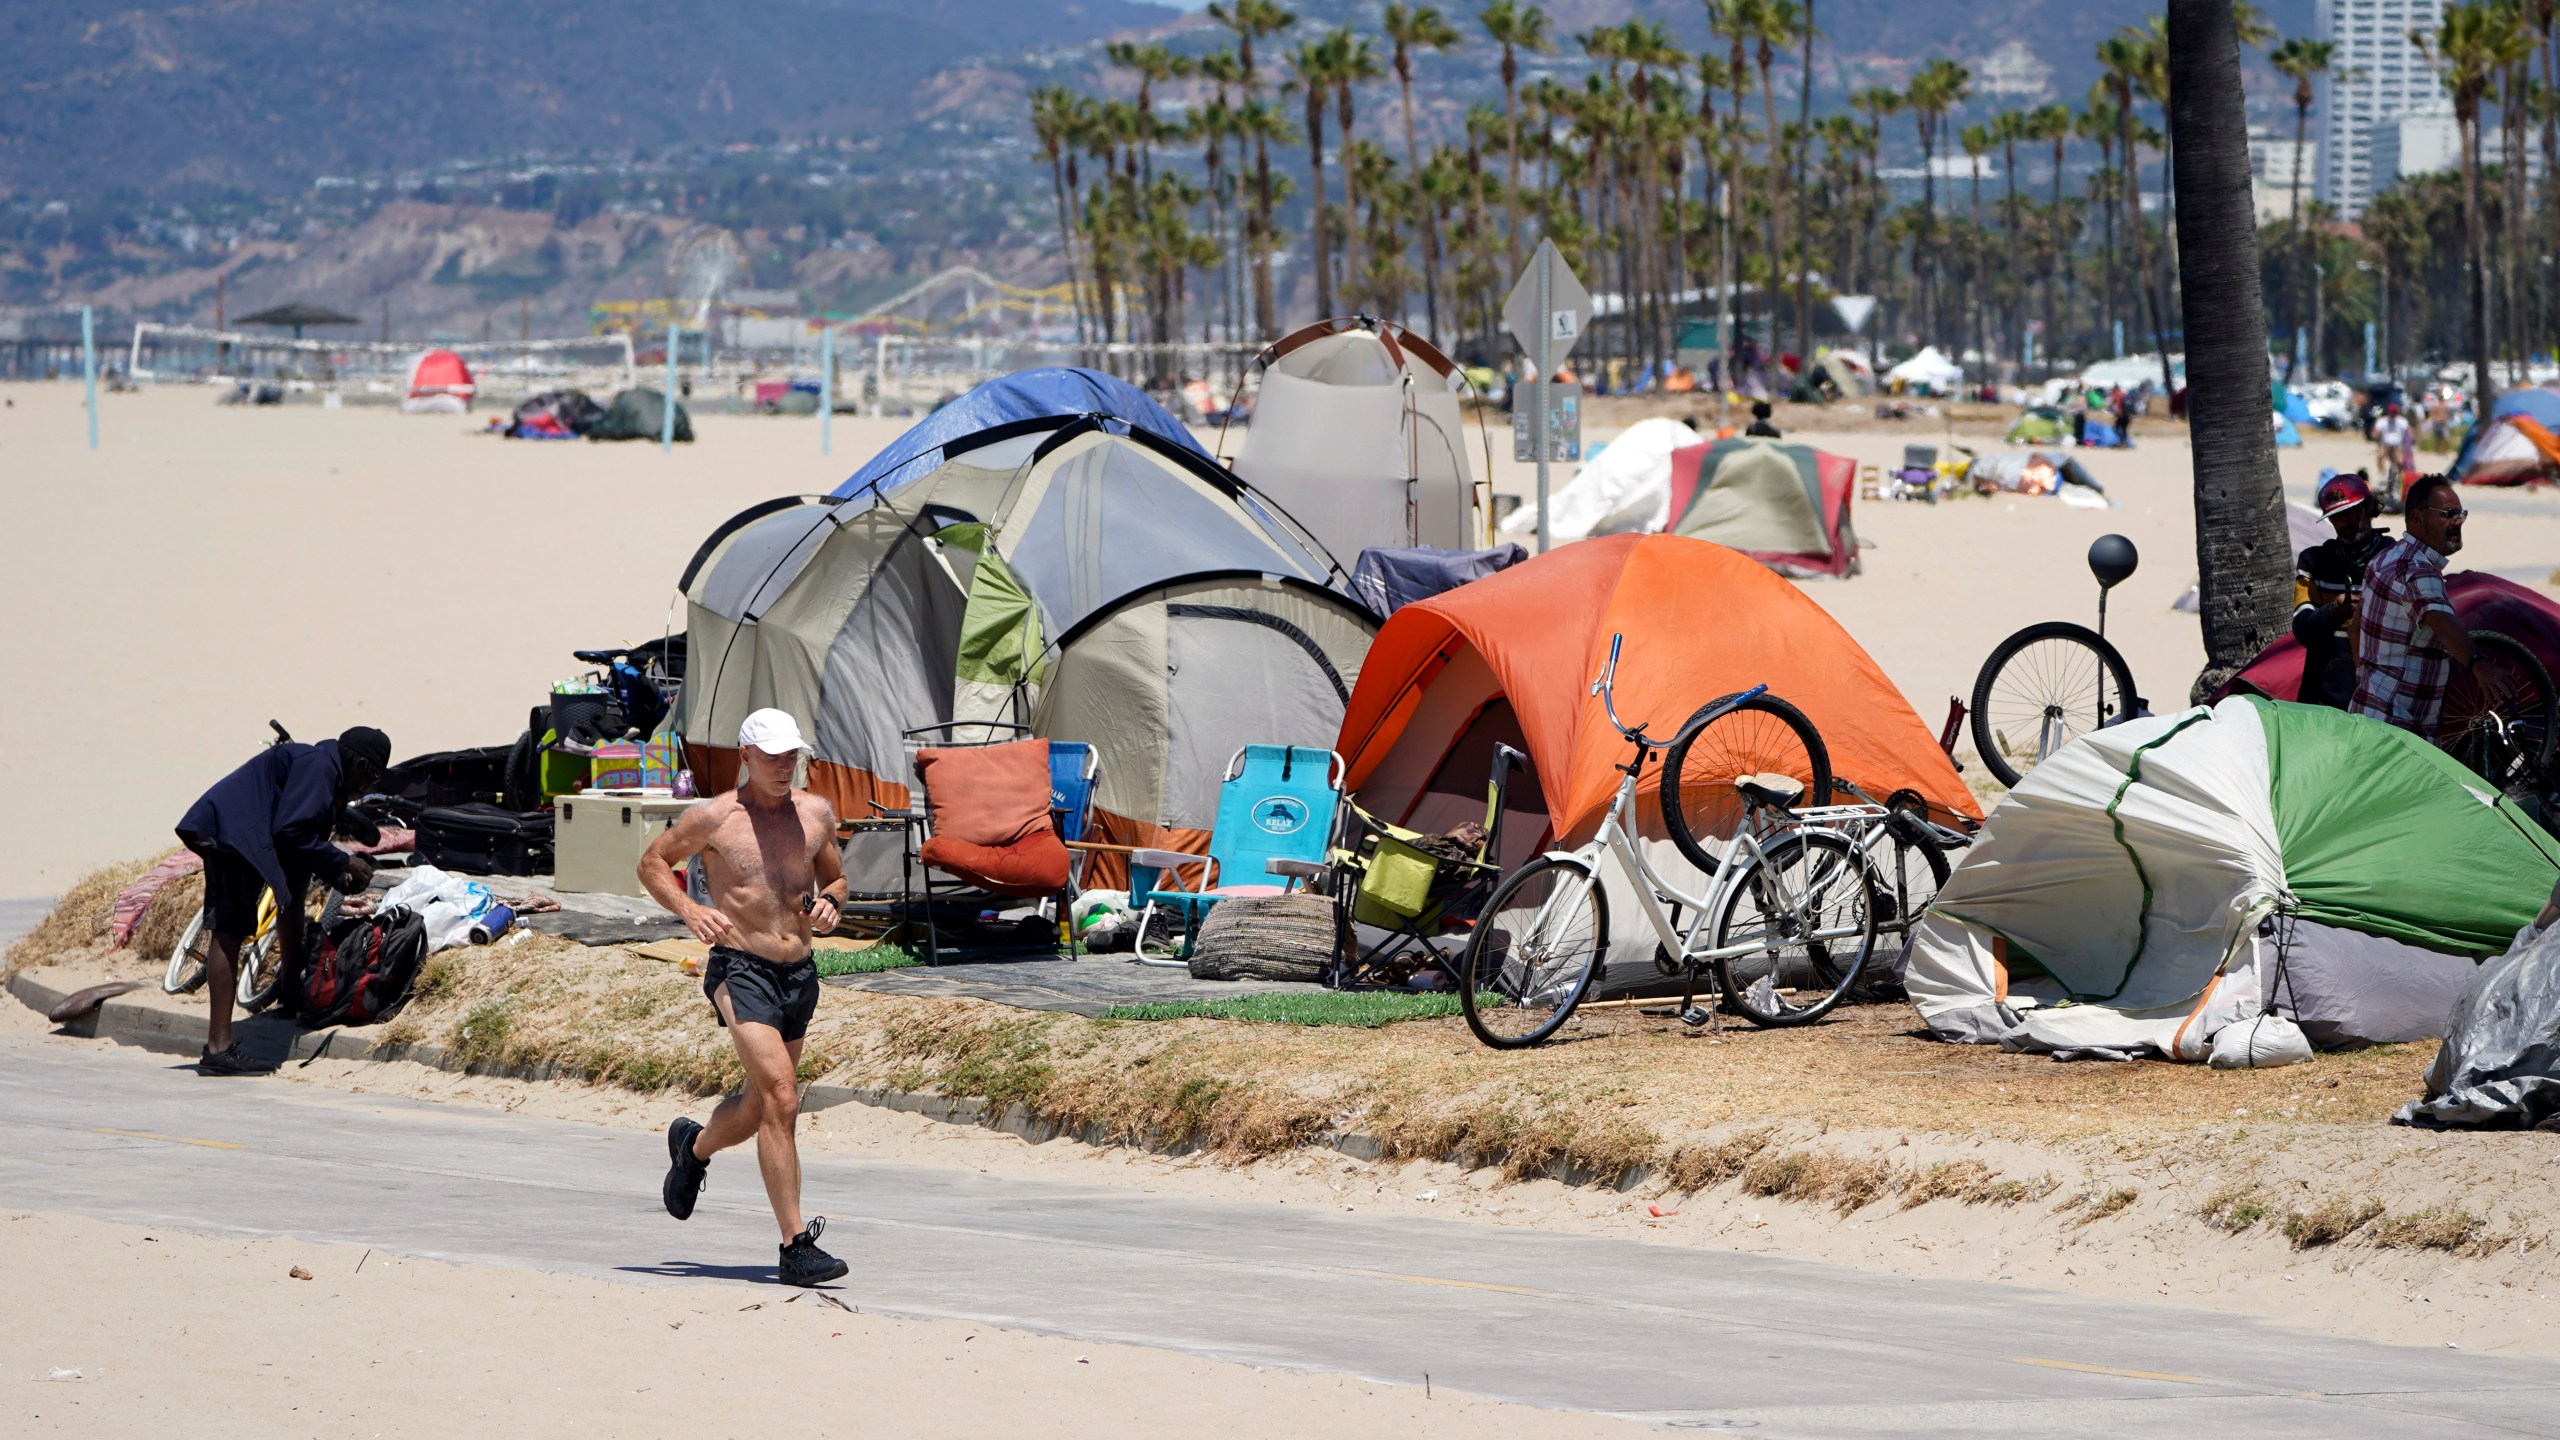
x=1545 y=261
x=826 y=390
x=89 y=373
x=667 y=411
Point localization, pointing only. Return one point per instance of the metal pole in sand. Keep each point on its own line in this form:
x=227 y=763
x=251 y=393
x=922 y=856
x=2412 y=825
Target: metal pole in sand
x=667 y=411
x=89 y=367
x=826 y=390
x=1540 y=391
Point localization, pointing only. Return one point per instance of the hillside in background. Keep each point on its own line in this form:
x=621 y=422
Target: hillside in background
x=258 y=94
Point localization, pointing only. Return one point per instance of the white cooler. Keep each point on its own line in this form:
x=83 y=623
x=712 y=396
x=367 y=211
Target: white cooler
x=598 y=835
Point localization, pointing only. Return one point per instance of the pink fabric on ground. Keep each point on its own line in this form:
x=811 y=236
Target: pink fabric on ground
x=136 y=898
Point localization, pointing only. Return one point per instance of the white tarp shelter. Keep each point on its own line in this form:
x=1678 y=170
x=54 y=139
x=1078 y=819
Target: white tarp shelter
x=1626 y=488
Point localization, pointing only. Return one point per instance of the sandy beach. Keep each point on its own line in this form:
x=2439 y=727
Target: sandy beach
x=208 y=568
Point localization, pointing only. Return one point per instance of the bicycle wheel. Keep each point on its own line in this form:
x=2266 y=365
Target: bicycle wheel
x=1806 y=907
x=2509 y=745
x=2042 y=688
x=1910 y=868
x=1762 y=735
x=1534 y=954
x=186 y=958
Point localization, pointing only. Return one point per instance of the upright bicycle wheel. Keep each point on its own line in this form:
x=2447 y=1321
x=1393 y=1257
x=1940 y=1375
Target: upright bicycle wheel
x=1806 y=911
x=1763 y=735
x=1534 y=953
x=2508 y=745
x=2044 y=687
x=186 y=958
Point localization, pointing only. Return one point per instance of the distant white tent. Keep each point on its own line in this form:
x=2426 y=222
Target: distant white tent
x=1626 y=487
x=1357 y=433
x=1930 y=372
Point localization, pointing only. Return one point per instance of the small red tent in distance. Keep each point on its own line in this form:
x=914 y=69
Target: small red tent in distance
x=1511 y=657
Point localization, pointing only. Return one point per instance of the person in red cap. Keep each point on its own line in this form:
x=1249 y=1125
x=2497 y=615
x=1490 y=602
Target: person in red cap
x=2327 y=578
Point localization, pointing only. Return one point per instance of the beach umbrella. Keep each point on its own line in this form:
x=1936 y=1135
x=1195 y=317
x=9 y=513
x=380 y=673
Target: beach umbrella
x=298 y=314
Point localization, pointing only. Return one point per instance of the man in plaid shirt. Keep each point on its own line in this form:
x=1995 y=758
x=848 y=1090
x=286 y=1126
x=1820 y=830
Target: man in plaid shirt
x=2407 y=639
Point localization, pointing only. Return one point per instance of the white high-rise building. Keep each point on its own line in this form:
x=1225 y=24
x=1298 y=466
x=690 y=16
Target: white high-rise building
x=2376 y=75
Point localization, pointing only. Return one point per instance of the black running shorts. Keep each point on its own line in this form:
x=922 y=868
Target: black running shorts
x=763 y=992
x=232 y=889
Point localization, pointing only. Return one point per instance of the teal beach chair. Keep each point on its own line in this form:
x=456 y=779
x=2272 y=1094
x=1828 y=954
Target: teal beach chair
x=1277 y=807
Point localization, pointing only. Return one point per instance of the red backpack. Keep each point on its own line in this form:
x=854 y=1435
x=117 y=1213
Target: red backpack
x=359 y=969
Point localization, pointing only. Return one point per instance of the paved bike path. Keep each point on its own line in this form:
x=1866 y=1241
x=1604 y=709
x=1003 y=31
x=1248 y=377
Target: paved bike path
x=1692 y=1338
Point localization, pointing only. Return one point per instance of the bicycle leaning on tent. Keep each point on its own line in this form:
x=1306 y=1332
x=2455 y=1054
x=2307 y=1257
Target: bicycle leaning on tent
x=1786 y=927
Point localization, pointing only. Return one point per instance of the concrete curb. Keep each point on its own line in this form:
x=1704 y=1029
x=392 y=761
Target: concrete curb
x=150 y=1020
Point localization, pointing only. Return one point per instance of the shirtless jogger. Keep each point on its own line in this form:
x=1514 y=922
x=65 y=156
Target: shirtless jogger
x=775 y=878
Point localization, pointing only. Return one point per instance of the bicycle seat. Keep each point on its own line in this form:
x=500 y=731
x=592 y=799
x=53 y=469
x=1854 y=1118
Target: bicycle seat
x=598 y=657
x=1780 y=790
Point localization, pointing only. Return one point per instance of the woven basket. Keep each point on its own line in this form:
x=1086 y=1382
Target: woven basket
x=1275 y=937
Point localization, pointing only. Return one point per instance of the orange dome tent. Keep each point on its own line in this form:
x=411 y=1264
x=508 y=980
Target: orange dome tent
x=1511 y=657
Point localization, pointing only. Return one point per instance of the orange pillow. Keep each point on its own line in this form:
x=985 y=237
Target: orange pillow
x=1036 y=865
x=991 y=795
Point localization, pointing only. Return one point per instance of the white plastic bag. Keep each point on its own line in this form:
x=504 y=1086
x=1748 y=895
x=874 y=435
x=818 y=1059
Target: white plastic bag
x=2261 y=1042
x=449 y=904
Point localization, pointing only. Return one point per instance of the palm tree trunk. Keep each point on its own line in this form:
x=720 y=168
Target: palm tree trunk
x=1511 y=146
x=2244 y=561
x=1316 y=207
x=2475 y=253
x=1423 y=219
x=2293 y=212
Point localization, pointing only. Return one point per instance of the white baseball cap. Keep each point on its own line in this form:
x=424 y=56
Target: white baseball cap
x=772 y=731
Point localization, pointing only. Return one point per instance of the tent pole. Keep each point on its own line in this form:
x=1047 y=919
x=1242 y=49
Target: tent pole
x=826 y=389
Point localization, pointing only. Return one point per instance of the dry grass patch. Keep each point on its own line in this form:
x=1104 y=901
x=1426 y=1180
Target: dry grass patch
x=2236 y=1207
x=2434 y=1228
x=2333 y=1220
x=2092 y=1206
x=78 y=923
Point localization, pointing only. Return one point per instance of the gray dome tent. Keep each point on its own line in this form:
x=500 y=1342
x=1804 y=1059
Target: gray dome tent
x=886 y=611
x=1170 y=682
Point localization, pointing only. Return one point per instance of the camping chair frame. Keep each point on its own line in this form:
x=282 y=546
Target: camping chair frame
x=917 y=819
x=1164 y=870
x=1354 y=875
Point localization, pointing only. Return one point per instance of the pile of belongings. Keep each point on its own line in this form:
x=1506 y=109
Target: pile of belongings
x=554 y=415
x=2038 y=472
x=2500 y=1065
x=637 y=414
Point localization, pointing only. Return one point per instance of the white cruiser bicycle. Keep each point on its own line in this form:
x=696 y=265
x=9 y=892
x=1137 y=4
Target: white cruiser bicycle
x=1786 y=926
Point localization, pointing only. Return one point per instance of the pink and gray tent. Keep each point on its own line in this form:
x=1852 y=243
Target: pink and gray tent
x=1784 y=505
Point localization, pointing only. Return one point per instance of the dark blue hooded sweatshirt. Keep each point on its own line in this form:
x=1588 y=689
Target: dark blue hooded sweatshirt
x=276 y=811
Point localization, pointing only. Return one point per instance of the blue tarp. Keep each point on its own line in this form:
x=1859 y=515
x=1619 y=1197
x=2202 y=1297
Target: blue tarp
x=1024 y=395
x=1388 y=580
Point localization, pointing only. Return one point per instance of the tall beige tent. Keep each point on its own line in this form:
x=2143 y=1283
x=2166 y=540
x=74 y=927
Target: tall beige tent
x=1357 y=433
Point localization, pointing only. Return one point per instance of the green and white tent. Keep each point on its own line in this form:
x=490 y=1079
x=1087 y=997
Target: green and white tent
x=2158 y=879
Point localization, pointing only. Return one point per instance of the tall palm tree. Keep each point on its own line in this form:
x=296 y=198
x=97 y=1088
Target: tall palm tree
x=1515 y=27
x=2007 y=129
x=1250 y=20
x=1937 y=88
x=1154 y=64
x=2243 y=559
x=1977 y=141
x=1311 y=68
x=2301 y=61
x=2053 y=124
x=1774 y=26
x=1877 y=103
x=1355 y=62
x=2125 y=57
x=1650 y=49
x=1411 y=28
x=2098 y=124
x=1053 y=123
x=1214 y=125
x=2463 y=50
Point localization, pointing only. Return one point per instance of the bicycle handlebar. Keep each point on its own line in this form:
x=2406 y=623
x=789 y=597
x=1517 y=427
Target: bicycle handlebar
x=1606 y=688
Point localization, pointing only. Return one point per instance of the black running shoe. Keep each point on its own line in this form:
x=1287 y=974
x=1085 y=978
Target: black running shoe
x=803 y=1263
x=233 y=1061
x=685 y=1173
